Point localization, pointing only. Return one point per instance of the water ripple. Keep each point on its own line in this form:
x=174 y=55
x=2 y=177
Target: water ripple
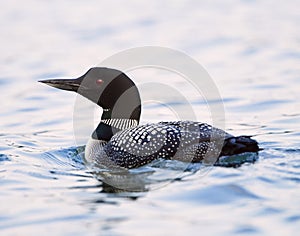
x=68 y=158
x=226 y=194
x=4 y=158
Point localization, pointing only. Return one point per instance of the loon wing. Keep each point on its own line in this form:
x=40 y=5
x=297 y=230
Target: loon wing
x=183 y=140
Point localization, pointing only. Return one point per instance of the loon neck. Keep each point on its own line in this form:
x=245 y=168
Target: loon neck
x=112 y=123
x=121 y=105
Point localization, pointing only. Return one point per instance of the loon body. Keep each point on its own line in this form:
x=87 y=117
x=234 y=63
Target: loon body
x=119 y=140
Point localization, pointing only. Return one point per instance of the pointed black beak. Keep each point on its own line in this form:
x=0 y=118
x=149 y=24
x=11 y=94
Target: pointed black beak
x=65 y=84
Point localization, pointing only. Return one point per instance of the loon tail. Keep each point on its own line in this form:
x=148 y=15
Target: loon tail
x=240 y=144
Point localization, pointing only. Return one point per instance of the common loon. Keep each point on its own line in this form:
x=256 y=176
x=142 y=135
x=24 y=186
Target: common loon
x=119 y=140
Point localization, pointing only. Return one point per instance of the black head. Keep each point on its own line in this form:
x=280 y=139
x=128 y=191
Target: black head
x=111 y=89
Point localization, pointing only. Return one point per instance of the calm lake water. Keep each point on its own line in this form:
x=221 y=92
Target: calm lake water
x=250 y=48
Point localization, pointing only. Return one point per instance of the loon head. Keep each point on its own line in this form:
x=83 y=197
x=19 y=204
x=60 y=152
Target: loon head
x=111 y=89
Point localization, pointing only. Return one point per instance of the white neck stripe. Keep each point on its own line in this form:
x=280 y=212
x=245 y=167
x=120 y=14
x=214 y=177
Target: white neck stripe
x=120 y=123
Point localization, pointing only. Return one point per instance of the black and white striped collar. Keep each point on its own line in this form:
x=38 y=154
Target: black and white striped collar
x=120 y=123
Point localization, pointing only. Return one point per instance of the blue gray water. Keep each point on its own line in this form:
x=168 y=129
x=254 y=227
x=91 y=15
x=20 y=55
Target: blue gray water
x=251 y=49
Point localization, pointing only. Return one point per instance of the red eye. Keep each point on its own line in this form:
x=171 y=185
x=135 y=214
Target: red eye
x=99 y=81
